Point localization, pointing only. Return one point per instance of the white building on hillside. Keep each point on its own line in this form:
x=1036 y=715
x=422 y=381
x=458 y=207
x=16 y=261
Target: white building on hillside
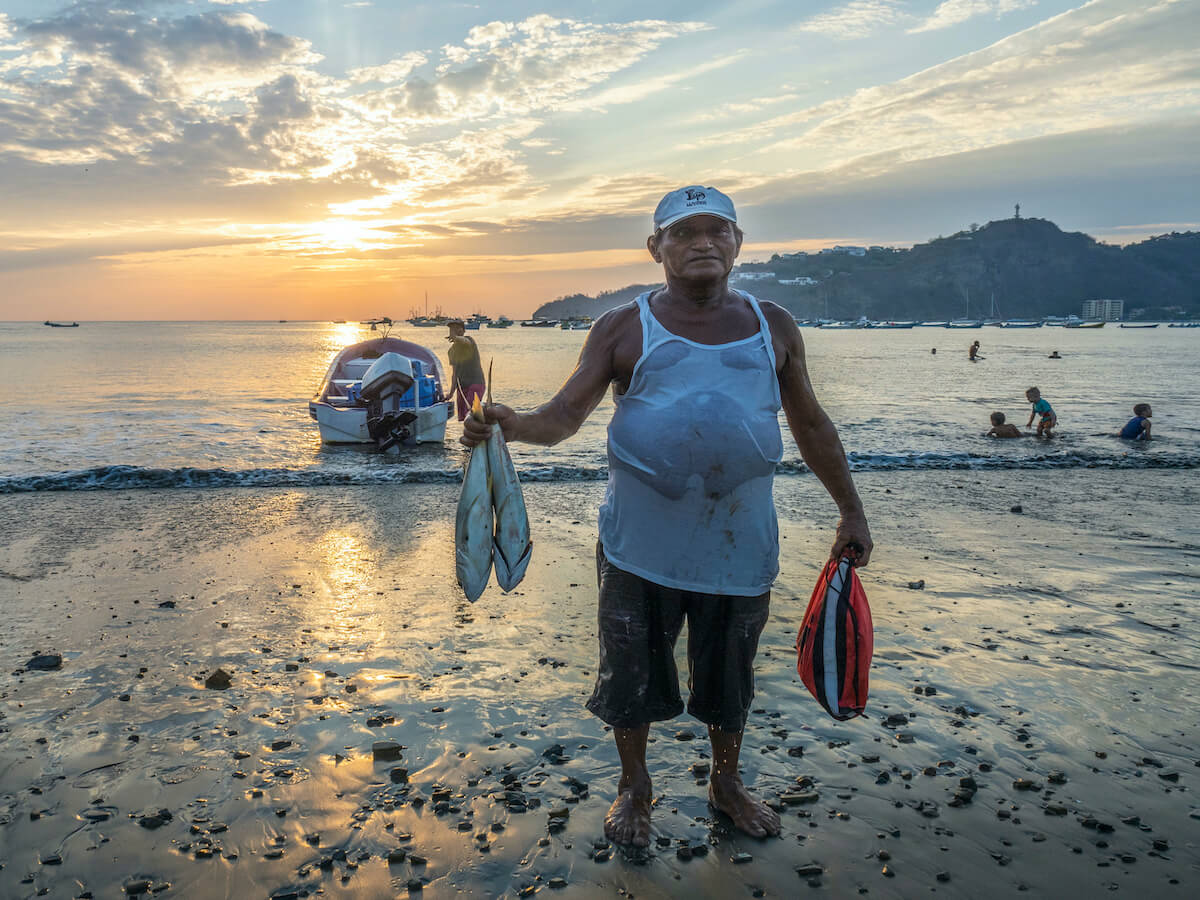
x=799 y=279
x=1106 y=310
x=752 y=276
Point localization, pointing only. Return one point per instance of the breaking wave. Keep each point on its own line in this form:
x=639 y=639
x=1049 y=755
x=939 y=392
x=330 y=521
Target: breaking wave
x=120 y=477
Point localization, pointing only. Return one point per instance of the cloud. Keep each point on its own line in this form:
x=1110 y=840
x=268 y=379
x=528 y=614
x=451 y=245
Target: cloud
x=643 y=88
x=746 y=107
x=396 y=70
x=857 y=19
x=230 y=104
x=518 y=68
x=1108 y=63
x=955 y=12
x=75 y=252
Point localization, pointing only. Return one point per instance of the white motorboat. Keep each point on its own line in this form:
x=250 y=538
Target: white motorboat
x=384 y=391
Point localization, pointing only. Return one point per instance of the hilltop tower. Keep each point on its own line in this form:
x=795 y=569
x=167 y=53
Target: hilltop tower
x=1017 y=213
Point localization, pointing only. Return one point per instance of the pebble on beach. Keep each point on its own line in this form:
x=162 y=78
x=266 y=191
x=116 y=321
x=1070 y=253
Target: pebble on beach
x=219 y=680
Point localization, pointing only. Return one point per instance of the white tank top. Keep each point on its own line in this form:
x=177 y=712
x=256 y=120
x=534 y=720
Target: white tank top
x=692 y=450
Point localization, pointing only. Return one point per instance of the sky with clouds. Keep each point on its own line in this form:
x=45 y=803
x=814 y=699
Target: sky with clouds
x=196 y=159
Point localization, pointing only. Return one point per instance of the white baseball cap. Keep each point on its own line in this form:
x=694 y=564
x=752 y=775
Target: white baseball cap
x=693 y=200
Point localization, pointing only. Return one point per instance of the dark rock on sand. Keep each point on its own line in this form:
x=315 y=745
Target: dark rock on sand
x=385 y=750
x=45 y=662
x=155 y=819
x=219 y=680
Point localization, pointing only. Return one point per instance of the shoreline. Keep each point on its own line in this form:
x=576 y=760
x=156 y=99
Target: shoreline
x=1034 y=670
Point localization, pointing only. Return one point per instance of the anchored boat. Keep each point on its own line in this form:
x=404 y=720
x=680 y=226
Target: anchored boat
x=384 y=391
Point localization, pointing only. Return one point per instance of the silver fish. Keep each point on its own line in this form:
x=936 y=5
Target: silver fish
x=473 y=525
x=511 y=546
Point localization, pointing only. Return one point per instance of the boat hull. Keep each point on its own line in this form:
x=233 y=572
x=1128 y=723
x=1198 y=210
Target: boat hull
x=348 y=425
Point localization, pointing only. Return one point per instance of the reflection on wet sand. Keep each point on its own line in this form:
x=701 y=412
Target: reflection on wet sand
x=1020 y=718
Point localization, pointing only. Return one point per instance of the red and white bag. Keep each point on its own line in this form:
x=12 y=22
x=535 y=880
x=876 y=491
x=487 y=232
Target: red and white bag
x=836 y=641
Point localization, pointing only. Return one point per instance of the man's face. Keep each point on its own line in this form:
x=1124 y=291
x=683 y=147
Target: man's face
x=698 y=248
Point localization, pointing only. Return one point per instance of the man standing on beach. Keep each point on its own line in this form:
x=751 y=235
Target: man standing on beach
x=466 y=368
x=688 y=527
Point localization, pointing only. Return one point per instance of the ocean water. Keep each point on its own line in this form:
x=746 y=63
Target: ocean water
x=187 y=404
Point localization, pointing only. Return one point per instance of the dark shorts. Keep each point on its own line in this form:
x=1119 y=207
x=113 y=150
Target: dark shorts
x=637 y=681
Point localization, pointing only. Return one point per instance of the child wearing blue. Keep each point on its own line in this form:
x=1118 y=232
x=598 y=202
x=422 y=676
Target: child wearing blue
x=1041 y=408
x=1138 y=428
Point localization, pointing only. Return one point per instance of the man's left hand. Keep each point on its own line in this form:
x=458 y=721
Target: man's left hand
x=852 y=529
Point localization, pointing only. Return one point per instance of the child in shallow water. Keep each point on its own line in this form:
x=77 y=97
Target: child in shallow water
x=1138 y=428
x=1043 y=409
x=1002 y=429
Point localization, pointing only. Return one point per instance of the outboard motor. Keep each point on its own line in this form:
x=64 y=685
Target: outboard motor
x=383 y=384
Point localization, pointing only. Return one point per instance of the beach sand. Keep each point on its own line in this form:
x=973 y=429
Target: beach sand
x=1051 y=658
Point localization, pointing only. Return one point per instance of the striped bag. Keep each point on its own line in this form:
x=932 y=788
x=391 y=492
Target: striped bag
x=836 y=641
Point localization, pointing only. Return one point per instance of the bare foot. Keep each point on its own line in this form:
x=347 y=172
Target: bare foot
x=628 y=819
x=727 y=794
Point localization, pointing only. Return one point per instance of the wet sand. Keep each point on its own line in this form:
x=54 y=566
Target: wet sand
x=1031 y=729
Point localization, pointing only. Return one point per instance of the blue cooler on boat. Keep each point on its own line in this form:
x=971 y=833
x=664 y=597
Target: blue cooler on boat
x=423 y=387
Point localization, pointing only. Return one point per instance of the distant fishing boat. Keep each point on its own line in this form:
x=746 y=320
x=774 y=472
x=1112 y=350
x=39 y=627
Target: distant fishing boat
x=964 y=323
x=1083 y=325
x=893 y=324
x=61 y=324
x=502 y=322
x=1123 y=325
x=1021 y=323
x=1184 y=325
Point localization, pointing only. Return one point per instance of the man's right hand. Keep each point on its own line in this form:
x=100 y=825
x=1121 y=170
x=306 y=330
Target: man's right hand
x=476 y=432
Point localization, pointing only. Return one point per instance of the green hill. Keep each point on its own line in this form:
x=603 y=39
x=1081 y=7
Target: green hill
x=1015 y=267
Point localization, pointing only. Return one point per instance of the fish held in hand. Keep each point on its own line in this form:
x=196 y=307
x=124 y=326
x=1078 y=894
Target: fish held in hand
x=473 y=522
x=511 y=546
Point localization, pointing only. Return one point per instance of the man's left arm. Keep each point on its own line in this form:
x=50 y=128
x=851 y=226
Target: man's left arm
x=815 y=434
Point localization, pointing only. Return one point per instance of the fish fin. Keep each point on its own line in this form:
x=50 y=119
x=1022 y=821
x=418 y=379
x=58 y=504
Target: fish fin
x=509 y=576
x=475 y=582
